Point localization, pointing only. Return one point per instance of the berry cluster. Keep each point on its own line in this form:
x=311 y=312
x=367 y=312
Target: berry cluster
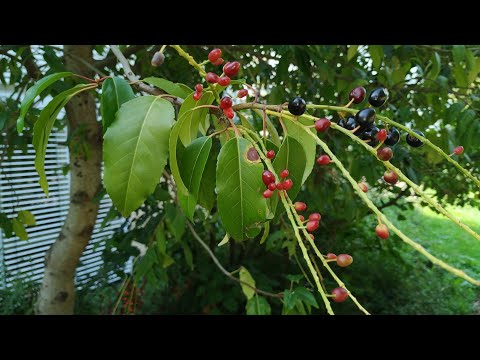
x=131 y=300
x=269 y=180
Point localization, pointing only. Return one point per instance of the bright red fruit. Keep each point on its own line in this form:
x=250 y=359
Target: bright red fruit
x=226 y=102
x=267 y=193
x=301 y=218
x=382 y=135
x=357 y=94
x=385 y=153
x=212 y=78
x=229 y=113
x=219 y=61
x=224 y=81
x=382 y=231
x=287 y=184
x=280 y=186
x=214 y=55
x=363 y=186
x=331 y=256
x=197 y=95
x=322 y=124
x=390 y=177
x=323 y=160
x=231 y=68
x=343 y=260
x=268 y=177
x=242 y=93
x=270 y=154
x=458 y=150
x=339 y=294
x=272 y=186
x=314 y=217
x=199 y=88
x=284 y=173
x=300 y=206
x=312 y=225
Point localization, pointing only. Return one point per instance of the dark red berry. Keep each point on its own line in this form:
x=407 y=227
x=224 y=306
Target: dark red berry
x=357 y=94
x=268 y=177
x=393 y=137
x=382 y=231
x=300 y=206
x=226 y=102
x=212 y=78
x=322 y=124
x=331 y=256
x=339 y=295
x=302 y=218
x=272 y=186
x=242 y=93
x=343 y=260
x=413 y=141
x=385 y=153
x=284 y=174
x=363 y=186
x=323 y=160
x=197 y=95
x=219 y=61
x=224 y=81
x=158 y=59
x=458 y=150
x=287 y=184
x=390 y=177
x=214 y=55
x=280 y=186
x=378 y=97
x=365 y=117
x=270 y=154
x=267 y=193
x=382 y=135
x=229 y=113
x=312 y=225
x=314 y=217
x=231 y=68
x=199 y=88
x=297 y=106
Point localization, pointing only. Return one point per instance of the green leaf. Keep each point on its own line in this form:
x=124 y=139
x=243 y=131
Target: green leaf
x=115 y=92
x=295 y=278
x=204 y=125
x=258 y=305
x=6 y=225
x=436 y=67
x=376 y=53
x=187 y=252
x=193 y=164
x=43 y=127
x=306 y=296
x=244 y=121
x=352 y=51
x=241 y=206
x=33 y=92
x=458 y=52
x=206 y=195
x=460 y=76
x=161 y=240
x=265 y=233
x=19 y=229
x=135 y=150
x=225 y=240
x=175 y=222
x=289 y=299
x=247 y=278
x=169 y=87
x=26 y=217
x=299 y=133
x=188 y=128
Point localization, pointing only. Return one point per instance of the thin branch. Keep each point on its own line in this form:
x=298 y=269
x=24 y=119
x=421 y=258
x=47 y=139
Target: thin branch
x=112 y=59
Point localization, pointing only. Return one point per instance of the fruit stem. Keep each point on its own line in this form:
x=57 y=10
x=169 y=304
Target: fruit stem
x=162 y=49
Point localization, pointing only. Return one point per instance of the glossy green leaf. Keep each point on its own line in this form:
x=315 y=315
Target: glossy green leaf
x=352 y=51
x=241 y=206
x=19 y=229
x=376 y=53
x=192 y=166
x=6 y=225
x=460 y=76
x=188 y=128
x=33 y=92
x=299 y=133
x=258 y=305
x=180 y=90
x=244 y=121
x=115 y=92
x=135 y=150
x=26 y=217
x=247 y=278
x=290 y=298
x=206 y=194
x=306 y=296
x=204 y=125
x=458 y=52
x=43 y=127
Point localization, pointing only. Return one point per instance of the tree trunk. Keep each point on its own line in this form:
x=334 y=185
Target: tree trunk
x=57 y=293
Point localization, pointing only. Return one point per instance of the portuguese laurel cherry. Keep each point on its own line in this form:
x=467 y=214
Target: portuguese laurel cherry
x=378 y=97
x=212 y=78
x=382 y=231
x=458 y=150
x=267 y=193
x=199 y=88
x=231 y=68
x=300 y=206
x=357 y=94
x=339 y=294
x=224 y=81
x=272 y=186
x=413 y=141
x=297 y=106
x=268 y=177
x=242 y=93
x=393 y=137
x=331 y=256
x=314 y=217
x=284 y=173
x=390 y=177
x=197 y=96
x=322 y=124
x=214 y=55
x=363 y=186
x=287 y=184
x=365 y=118
x=226 y=102
x=229 y=113
x=312 y=225
x=302 y=218
x=323 y=160
x=343 y=260
x=270 y=154
x=382 y=135
x=158 y=59
x=369 y=135
x=385 y=153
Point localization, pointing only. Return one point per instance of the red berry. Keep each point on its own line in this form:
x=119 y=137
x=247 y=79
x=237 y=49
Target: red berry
x=363 y=186
x=272 y=186
x=270 y=154
x=214 y=55
x=314 y=217
x=242 y=93
x=382 y=231
x=339 y=294
x=357 y=94
x=218 y=62
x=390 y=177
x=382 y=135
x=300 y=206
x=280 y=186
x=458 y=150
x=231 y=68
x=226 y=102
x=301 y=218
x=268 y=177
x=323 y=160
x=385 y=153
x=284 y=174
x=212 y=78
x=312 y=225
x=224 y=81
x=267 y=193
x=229 y=113
x=343 y=260
x=322 y=124
x=199 y=88
x=331 y=256
x=197 y=95
x=287 y=184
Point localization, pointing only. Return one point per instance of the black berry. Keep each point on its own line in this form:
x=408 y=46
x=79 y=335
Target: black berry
x=393 y=137
x=370 y=134
x=413 y=141
x=365 y=117
x=378 y=97
x=297 y=106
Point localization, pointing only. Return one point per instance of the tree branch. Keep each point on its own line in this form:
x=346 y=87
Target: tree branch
x=30 y=65
x=112 y=59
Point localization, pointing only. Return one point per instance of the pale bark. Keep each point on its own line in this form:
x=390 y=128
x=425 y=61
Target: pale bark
x=57 y=293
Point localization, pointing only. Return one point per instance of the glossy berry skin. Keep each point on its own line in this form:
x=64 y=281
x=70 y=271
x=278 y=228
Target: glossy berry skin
x=365 y=117
x=382 y=231
x=344 y=260
x=314 y=217
x=270 y=154
x=272 y=186
x=300 y=206
x=331 y=256
x=339 y=295
x=350 y=124
x=280 y=186
x=231 y=68
x=284 y=173
x=369 y=134
x=297 y=106
x=378 y=97
x=302 y=218
x=224 y=81
x=390 y=177
x=218 y=62
x=385 y=153
x=287 y=184
x=342 y=123
x=357 y=95
x=458 y=150
x=382 y=135
x=229 y=113
x=214 y=55
x=268 y=177
x=323 y=160
x=197 y=95
x=212 y=78
x=393 y=137
x=413 y=141
x=267 y=193
x=312 y=225
x=242 y=93
x=199 y=88
x=322 y=124
x=363 y=187
x=158 y=59
x=226 y=102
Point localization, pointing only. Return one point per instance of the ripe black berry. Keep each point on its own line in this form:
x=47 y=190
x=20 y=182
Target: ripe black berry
x=365 y=117
x=342 y=123
x=351 y=123
x=297 y=106
x=413 y=141
x=357 y=94
x=378 y=97
x=370 y=134
x=393 y=137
